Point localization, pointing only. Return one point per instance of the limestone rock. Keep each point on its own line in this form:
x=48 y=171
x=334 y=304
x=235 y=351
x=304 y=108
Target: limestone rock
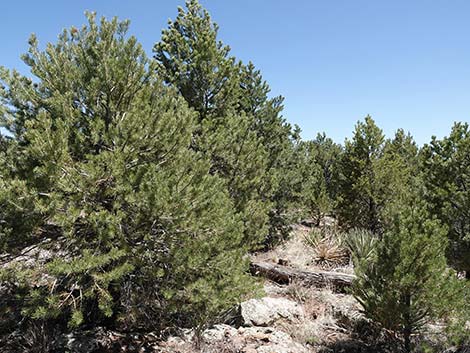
x=265 y=311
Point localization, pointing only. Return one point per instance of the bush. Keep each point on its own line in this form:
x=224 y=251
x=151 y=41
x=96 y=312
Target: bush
x=327 y=250
x=361 y=245
x=148 y=236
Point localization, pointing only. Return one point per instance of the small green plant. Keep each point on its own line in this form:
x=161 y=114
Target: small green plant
x=313 y=237
x=360 y=243
x=312 y=340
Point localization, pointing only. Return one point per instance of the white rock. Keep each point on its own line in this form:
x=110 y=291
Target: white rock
x=265 y=311
x=270 y=340
x=219 y=332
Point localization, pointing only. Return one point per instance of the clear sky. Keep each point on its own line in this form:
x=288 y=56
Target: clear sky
x=406 y=63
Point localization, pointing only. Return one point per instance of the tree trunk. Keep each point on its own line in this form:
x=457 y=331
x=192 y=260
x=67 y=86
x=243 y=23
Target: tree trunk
x=407 y=335
x=407 y=326
x=284 y=275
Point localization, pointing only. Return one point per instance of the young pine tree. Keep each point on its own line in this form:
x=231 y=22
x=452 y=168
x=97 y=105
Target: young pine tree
x=191 y=59
x=403 y=146
x=320 y=176
x=281 y=141
x=143 y=228
x=407 y=284
x=446 y=173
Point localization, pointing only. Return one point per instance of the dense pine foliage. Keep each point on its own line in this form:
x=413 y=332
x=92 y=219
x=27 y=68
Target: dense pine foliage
x=143 y=183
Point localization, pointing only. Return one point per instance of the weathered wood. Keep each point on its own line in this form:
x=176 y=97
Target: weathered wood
x=284 y=275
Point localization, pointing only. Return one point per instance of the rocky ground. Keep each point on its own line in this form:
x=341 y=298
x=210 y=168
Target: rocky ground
x=293 y=317
x=297 y=317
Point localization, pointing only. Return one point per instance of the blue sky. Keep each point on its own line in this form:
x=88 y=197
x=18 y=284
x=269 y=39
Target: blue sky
x=406 y=63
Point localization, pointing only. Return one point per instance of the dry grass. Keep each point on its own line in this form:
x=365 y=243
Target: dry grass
x=329 y=317
x=318 y=327
x=296 y=252
x=298 y=292
x=327 y=251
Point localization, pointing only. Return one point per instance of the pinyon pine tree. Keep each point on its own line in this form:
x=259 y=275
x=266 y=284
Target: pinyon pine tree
x=403 y=146
x=446 y=172
x=240 y=129
x=319 y=176
x=407 y=284
x=370 y=180
x=105 y=169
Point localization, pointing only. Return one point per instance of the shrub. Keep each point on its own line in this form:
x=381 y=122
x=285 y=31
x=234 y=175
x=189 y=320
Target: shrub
x=361 y=245
x=327 y=251
x=148 y=235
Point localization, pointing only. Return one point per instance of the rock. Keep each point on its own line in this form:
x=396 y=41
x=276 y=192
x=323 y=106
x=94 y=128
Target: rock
x=81 y=341
x=249 y=350
x=272 y=341
x=244 y=340
x=219 y=332
x=265 y=311
x=35 y=256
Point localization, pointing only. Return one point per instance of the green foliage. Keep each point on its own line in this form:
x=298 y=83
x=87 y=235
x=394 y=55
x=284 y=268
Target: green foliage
x=361 y=245
x=406 y=284
x=18 y=216
x=144 y=227
x=361 y=191
x=239 y=128
x=403 y=147
x=457 y=325
x=319 y=173
x=374 y=174
x=312 y=238
x=446 y=173
x=191 y=58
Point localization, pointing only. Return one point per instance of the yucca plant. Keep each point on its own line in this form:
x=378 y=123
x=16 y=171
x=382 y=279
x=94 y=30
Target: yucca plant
x=327 y=250
x=312 y=238
x=360 y=243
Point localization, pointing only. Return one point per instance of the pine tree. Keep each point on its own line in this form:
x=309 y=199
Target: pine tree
x=144 y=228
x=281 y=141
x=17 y=213
x=407 y=283
x=404 y=147
x=240 y=128
x=371 y=178
x=446 y=172
x=361 y=190
x=191 y=59
x=400 y=161
x=320 y=176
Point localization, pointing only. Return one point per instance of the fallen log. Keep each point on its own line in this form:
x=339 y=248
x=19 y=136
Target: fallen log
x=284 y=275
